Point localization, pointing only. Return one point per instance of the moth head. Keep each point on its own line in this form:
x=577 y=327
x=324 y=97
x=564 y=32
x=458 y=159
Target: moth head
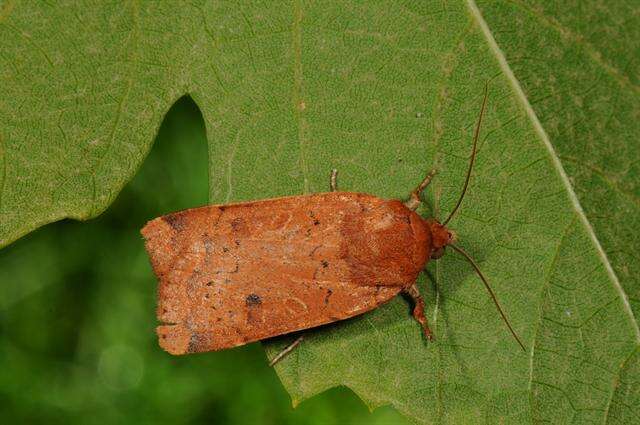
x=440 y=238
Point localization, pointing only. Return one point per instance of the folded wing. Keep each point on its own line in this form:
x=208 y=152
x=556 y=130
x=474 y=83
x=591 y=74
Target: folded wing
x=232 y=274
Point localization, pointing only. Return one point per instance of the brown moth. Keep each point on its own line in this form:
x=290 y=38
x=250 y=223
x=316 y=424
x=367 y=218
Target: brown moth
x=233 y=274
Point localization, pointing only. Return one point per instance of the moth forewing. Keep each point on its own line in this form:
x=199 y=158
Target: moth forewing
x=233 y=274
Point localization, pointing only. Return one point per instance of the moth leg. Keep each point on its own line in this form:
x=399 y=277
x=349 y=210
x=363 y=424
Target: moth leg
x=414 y=197
x=418 y=310
x=333 y=181
x=289 y=348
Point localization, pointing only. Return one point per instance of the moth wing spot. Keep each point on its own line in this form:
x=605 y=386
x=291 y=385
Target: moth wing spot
x=198 y=342
x=326 y=298
x=295 y=305
x=313 y=251
x=176 y=221
x=237 y=224
x=253 y=300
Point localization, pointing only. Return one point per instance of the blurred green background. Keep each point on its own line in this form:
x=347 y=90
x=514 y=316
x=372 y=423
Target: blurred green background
x=77 y=319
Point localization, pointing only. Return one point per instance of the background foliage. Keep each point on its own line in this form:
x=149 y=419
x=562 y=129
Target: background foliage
x=381 y=91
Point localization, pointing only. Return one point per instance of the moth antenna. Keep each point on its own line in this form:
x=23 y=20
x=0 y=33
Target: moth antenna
x=493 y=296
x=473 y=157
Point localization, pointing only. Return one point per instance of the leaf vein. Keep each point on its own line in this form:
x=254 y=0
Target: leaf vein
x=132 y=50
x=298 y=103
x=545 y=289
x=615 y=383
x=569 y=35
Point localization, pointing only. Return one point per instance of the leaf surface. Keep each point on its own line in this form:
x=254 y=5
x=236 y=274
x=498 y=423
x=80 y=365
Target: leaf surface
x=382 y=92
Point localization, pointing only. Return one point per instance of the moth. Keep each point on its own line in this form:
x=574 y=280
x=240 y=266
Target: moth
x=238 y=273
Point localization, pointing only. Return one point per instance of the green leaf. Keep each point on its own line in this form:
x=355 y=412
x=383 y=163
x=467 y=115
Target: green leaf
x=383 y=92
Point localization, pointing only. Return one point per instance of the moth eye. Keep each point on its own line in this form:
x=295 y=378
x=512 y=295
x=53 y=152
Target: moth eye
x=437 y=253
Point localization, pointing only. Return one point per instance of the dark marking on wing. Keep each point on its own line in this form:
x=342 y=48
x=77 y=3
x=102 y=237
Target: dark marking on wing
x=253 y=302
x=313 y=216
x=253 y=299
x=176 y=221
x=313 y=251
x=237 y=224
x=326 y=298
x=197 y=342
